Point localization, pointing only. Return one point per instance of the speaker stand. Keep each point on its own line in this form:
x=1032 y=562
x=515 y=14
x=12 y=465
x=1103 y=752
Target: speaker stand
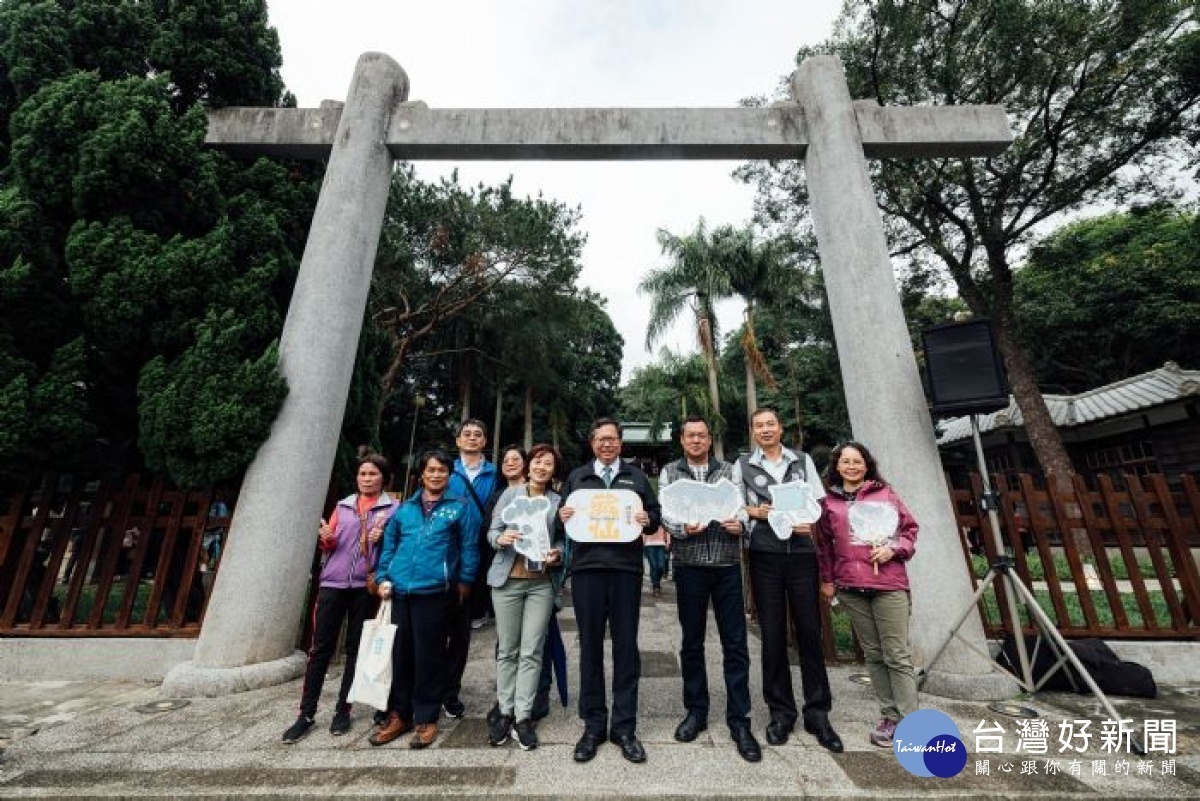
x=1002 y=567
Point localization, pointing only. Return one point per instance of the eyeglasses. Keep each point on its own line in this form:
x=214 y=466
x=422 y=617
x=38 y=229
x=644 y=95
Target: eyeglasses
x=607 y=440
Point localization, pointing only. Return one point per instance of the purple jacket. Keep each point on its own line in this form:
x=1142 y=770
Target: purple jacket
x=848 y=564
x=347 y=565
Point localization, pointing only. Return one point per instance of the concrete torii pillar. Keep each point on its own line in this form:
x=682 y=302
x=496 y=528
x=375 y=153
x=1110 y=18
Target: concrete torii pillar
x=248 y=633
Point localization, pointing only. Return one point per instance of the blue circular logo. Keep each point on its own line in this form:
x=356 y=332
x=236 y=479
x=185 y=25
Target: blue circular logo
x=927 y=743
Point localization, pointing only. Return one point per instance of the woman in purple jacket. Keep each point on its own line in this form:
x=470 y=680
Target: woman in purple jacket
x=349 y=543
x=866 y=572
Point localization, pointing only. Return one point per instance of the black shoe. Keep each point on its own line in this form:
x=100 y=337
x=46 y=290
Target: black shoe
x=340 y=723
x=778 y=731
x=297 y=730
x=493 y=715
x=541 y=706
x=379 y=718
x=690 y=727
x=747 y=746
x=526 y=735
x=499 y=728
x=825 y=735
x=454 y=708
x=630 y=747
x=585 y=749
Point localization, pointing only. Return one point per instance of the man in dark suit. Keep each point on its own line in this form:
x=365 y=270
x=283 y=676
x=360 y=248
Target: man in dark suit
x=606 y=588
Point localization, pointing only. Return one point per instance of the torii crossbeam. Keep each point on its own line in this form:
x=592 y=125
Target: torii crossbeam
x=248 y=634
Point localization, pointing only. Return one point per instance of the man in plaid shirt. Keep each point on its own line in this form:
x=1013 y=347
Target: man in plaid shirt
x=708 y=568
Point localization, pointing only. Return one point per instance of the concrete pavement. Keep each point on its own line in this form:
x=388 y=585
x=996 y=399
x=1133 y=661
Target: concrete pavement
x=76 y=739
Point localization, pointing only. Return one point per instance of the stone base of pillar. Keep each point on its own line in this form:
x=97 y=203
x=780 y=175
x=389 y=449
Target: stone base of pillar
x=991 y=686
x=186 y=680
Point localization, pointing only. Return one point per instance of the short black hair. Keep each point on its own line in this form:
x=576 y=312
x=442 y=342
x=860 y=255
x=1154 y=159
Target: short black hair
x=606 y=421
x=471 y=421
x=436 y=455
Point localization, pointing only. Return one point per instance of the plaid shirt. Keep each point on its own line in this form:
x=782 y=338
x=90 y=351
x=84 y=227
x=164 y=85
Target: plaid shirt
x=713 y=547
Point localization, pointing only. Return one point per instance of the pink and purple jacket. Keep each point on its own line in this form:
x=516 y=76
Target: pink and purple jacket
x=352 y=556
x=846 y=563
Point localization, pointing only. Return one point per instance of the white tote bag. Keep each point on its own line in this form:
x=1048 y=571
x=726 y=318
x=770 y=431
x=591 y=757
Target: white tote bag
x=373 y=672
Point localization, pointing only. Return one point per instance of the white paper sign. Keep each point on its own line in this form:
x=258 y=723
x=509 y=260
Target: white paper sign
x=528 y=516
x=604 y=515
x=873 y=523
x=792 y=504
x=695 y=502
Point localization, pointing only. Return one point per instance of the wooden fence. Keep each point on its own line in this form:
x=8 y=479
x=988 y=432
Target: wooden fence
x=1106 y=561
x=69 y=567
x=97 y=559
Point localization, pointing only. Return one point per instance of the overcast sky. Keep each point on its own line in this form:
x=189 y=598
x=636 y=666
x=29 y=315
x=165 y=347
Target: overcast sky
x=539 y=53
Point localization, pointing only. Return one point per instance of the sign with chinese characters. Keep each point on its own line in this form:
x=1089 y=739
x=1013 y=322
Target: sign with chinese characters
x=528 y=516
x=604 y=515
x=695 y=502
x=792 y=503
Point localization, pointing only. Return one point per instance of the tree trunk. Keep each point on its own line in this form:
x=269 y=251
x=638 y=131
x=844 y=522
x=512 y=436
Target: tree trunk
x=496 y=425
x=714 y=393
x=751 y=397
x=528 y=416
x=464 y=388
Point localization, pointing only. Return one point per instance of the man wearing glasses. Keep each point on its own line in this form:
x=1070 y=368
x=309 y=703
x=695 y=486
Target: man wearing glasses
x=606 y=588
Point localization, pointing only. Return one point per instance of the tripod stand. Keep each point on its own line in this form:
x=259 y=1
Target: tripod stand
x=1002 y=568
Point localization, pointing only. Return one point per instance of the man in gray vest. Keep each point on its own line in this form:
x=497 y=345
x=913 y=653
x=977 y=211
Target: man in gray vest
x=784 y=577
x=708 y=559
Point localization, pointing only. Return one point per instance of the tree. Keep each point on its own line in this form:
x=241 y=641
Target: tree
x=1099 y=93
x=694 y=279
x=1110 y=297
x=144 y=269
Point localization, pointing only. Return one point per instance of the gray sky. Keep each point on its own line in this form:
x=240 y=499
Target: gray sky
x=539 y=53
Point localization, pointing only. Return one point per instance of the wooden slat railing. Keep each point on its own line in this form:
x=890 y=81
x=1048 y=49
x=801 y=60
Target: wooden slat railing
x=1067 y=544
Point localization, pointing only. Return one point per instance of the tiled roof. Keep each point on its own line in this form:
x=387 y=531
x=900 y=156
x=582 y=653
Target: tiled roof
x=1168 y=383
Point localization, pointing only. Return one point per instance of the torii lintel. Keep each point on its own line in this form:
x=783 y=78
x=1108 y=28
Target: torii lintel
x=416 y=131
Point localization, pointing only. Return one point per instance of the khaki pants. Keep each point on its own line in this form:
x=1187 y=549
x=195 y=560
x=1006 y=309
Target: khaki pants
x=880 y=621
x=523 y=608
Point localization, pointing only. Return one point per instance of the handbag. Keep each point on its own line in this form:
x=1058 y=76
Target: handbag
x=373 y=668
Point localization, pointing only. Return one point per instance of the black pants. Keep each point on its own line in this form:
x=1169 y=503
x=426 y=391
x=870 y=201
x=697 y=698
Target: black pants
x=457 y=646
x=418 y=655
x=354 y=607
x=695 y=587
x=783 y=582
x=611 y=597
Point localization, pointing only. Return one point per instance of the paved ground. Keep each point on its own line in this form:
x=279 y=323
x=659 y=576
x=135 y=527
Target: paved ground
x=71 y=739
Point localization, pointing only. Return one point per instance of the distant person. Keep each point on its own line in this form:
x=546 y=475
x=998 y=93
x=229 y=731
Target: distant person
x=349 y=540
x=523 y=594
x=655 y=548
x=606 y=588
x=871 y=581
x=472 y=480
x=708 y=559
x=426 y=566
x=784 y=578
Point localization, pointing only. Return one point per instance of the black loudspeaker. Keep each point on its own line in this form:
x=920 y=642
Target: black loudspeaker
x=964 y=370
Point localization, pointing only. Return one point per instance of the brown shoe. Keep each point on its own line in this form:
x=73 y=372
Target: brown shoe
x=426 y=734
x=392 y=728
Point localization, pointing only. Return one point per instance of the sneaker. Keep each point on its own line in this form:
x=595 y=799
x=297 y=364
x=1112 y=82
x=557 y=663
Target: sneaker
x=493 y=715
x=455 y=708
x=482 y=622
x=499 y=729
x=340 y=723
x=425 y=735
x=883 y=733
x=297 y=730
x=526 y=735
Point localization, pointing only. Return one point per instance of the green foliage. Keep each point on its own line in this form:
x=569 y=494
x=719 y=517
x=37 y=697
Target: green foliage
x=204 y=414
x=138 y=267
x=1110 y=297
x=1100 y=99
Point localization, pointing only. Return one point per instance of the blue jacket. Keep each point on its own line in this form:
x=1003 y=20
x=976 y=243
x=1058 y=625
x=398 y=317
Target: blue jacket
x=423 y=555
x=483 y=484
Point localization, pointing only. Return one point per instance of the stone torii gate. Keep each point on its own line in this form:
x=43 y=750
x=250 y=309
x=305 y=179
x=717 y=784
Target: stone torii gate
x=247 y=637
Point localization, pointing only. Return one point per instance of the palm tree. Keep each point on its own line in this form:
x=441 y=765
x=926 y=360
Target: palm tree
x=693 y=280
